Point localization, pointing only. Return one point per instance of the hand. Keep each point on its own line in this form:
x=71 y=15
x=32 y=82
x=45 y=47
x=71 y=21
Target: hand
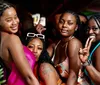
x=84 y=53
x=40 y=29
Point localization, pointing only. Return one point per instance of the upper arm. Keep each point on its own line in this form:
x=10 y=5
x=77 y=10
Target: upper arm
x=18 y=56
x=97 y=59
x=47 y=74
x=73 y=54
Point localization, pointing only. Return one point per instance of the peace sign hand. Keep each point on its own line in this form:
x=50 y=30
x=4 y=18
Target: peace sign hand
x=84 y=53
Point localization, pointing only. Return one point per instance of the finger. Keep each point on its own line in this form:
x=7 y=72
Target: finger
x=37 y=27
x=80 y=53
x=40 y=30
x=86 y=45
x=1 y=72
x=3 y=81
x=90 y=43
x=1 y=76
x=1 y=69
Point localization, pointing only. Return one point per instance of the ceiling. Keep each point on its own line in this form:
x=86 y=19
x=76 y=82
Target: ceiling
x=49 y=7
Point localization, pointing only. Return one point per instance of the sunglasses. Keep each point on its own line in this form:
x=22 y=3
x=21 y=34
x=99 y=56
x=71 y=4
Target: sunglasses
x=31 y=35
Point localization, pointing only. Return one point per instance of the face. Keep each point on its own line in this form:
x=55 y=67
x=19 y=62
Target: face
x=67 y=25
x=9 y=21
x=93 y=29
x=35 y=46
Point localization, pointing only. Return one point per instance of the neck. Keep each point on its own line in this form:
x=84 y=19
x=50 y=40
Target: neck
x=67 y=39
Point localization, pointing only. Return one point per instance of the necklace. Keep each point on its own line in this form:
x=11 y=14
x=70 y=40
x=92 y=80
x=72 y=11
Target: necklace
x=66 y=43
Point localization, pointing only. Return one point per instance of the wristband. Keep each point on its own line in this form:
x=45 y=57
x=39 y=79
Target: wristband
x=87 y=63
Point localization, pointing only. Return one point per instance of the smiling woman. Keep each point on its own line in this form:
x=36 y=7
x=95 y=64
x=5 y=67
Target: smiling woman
x=91 y=61
x=11 y=48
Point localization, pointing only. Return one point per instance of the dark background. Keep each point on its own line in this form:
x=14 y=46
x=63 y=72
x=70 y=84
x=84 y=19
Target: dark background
x=50 y=7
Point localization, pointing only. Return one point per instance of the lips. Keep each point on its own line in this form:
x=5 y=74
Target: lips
x=14 y=27
x=64 y=31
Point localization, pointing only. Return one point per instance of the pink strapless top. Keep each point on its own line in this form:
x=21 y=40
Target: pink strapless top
x=15 y=78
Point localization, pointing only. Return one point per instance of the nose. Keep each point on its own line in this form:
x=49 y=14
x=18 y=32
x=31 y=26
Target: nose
x=14 y=21
x=90 y=31
x=64 y=25
x=34 y=50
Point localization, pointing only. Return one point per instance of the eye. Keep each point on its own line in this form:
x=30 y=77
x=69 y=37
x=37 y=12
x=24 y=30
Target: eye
x=95 y=28
x=30 y=46
x=16 y=17
x=70 y=23
x=40 y=48
x=87 y=29
x=8 y=20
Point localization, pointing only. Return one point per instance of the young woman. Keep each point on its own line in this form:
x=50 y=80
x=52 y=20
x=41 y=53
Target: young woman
x=11 y=48
x=65 y=52
x=44 y=69
x=91 y=61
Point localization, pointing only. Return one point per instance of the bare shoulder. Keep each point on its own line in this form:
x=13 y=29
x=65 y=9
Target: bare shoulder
x=73 y=48
x=75 y=42
x=45 y=69
x=13 y=39
x=97 y=52
x=14 y=43
x=48 y=74
x=96 y=55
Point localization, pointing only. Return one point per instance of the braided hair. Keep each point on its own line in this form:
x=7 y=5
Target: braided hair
x=73 y=13
x=96 y=17
x=3 y=6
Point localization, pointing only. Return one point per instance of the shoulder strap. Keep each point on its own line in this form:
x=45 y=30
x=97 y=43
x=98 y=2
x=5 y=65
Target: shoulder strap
x=52 y=59
x=90 y=56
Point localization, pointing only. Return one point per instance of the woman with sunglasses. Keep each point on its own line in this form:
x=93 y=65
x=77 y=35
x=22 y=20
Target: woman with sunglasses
x=44 y=69
x=91 y=61
x=11 y=48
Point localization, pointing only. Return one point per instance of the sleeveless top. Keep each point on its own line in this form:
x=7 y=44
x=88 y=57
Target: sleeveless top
x=15 y=77
x=90 y=58
x=61 y=67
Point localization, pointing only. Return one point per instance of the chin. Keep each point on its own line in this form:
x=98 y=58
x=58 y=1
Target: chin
x=64 y=35
x=14 y=31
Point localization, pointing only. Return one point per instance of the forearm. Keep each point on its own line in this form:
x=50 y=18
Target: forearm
x=93 y=74
x=72 y=79
x=31 y=80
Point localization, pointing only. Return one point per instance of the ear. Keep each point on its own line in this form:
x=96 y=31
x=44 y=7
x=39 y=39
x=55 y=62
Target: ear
x=76 y=28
